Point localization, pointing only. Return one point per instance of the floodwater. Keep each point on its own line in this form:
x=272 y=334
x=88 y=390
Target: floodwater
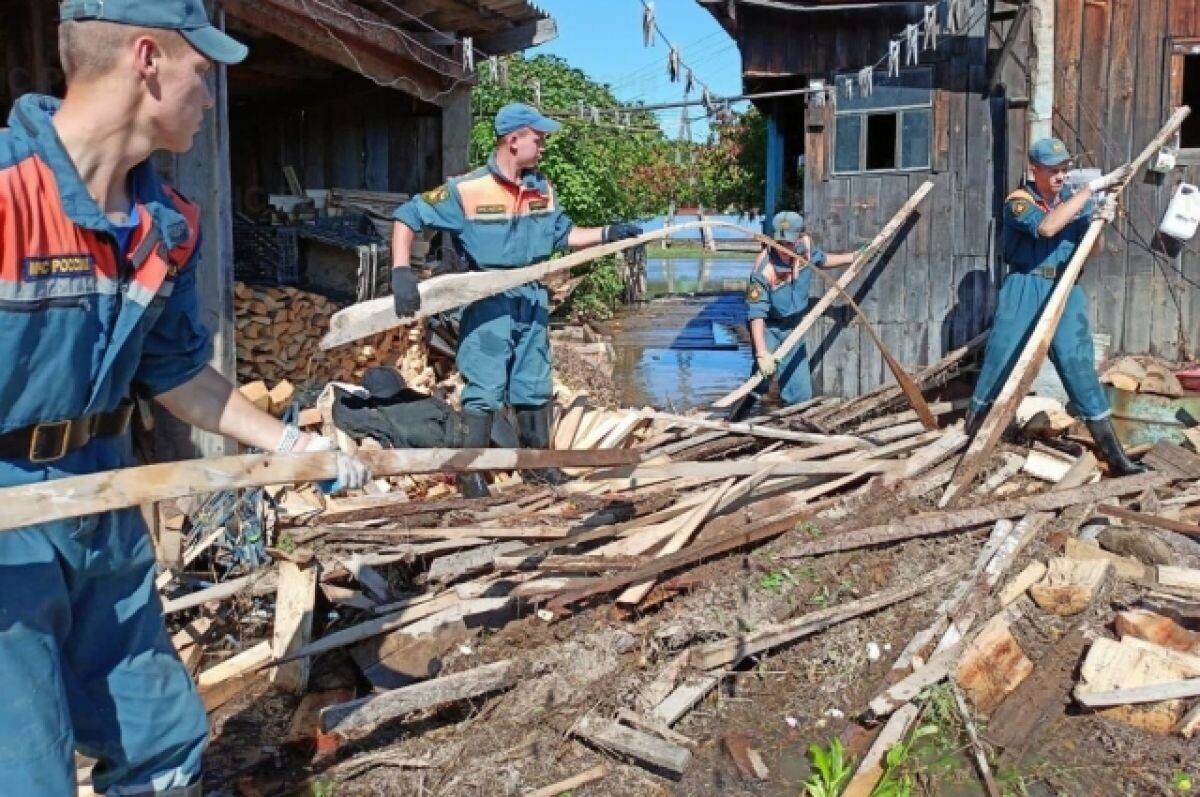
x=689 y=345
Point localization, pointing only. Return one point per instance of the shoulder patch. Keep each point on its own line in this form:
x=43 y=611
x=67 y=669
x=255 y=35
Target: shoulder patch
x=754 y=292
x=436 y=195
x=1020 y=206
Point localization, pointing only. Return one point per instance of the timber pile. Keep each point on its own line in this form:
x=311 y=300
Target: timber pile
x=278 y=329
x=435 y=601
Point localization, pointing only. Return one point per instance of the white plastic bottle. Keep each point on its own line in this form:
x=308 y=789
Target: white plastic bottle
x=1183 y=213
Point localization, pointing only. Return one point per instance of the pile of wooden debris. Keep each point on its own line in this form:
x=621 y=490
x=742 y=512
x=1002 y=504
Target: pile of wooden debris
x=580 y=634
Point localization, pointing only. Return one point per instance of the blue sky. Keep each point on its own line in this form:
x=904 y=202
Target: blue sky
x=604 y=39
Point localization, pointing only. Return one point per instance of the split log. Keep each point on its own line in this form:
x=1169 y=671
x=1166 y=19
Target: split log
x=848 y=276
x=1014 y=589
x=75 y=496
x=659 y=755
x=1070 y=586
x=359 y=718
x=992 y=666
x=1033 y=353
x=1129 y=664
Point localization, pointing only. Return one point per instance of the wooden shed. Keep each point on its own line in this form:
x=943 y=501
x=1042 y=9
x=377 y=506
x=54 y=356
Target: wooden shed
x=354 y=94
x=1103 y=75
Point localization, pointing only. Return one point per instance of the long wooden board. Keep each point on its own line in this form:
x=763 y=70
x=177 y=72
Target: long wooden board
x=75 y=496
x=852 y=272
x=1034 y=352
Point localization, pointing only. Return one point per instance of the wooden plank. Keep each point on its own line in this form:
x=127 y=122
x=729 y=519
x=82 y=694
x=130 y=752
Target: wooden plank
x=75 y=496
x=359 y=718
x=1172 y=690
x=1111 y=665
x=730 y=652
x=294 y=604
x=1034 y=352
x=848 y=276
x=221 y=682
x=870 y=771
x=931 y=523
x=657 y=754
x=1068 y=41
x=716 y=470
x=1147 y=519
x=568 y=785
x=683 y=698
x=992 y=665
x=1022 y=582
x=753 y=429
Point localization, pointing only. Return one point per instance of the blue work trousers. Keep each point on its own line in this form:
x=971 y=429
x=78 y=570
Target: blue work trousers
x=85 y=660
x=1072 y=351
x=504 y=350
x=795 y=380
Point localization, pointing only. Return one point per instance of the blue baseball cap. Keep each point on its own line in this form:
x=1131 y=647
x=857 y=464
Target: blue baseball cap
x=788 y=226
x=186 y=16
x=518 y=115
x=1049 y=152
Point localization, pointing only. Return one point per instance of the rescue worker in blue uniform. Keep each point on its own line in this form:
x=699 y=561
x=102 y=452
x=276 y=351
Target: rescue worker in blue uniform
x=776 y=301
x=98 y=300
x=503 y=215
x=1044 y=223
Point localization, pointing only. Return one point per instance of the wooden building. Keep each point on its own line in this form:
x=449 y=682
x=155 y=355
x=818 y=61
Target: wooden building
x=1105 y=77
x=354 y=94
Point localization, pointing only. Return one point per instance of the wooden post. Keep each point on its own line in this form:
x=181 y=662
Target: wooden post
x=1038 y=344
x=202 y=174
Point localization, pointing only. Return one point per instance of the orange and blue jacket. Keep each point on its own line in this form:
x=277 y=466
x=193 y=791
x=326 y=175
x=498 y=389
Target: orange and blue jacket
x=82 y=328
x=498 y=223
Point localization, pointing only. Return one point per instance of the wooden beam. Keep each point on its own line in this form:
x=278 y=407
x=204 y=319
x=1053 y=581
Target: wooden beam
x=752 y=429
x=294 y=606
x=567 y=786
x=657 y=754
x=931 y=523
x=521 y=37
x=359 y=718
x=851 y=273
x=1146 y=519
x=1038 y=344
x=76 y=496
x=390 y=71
x=1174 y=690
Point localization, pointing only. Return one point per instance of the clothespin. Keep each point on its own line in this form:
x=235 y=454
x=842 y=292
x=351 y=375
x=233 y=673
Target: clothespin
x=913 y=34
x=648 y=23
x=894 y=58
x=673 y=64
x=685 y=124
x=706 y=101
x=931 y=27
x=468 y=54
x=866 y=81
x=848 y=87
x=690 y=82
x=537 y=92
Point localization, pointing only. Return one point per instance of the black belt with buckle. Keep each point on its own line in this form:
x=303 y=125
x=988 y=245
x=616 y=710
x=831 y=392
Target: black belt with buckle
x=1049 y=272
x=50 y=442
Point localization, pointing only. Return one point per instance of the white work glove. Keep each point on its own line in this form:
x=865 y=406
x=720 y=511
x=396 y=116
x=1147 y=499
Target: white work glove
x=1107 y=181
x=1106 y=210
x=766 y=364
x=352 y=473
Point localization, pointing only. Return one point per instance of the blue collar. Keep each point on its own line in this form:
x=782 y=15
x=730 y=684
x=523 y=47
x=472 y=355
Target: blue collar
x=530 y=180
x=31 y=116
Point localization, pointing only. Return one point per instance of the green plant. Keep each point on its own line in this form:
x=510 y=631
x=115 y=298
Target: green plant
x=811 y=529
x=897 y=780
x=831 y=770
x=776 y=579
x=322 y=788
x=1182 y=782
x=287 y=543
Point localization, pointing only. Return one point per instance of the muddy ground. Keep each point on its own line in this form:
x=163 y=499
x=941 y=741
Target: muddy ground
x=597 y=661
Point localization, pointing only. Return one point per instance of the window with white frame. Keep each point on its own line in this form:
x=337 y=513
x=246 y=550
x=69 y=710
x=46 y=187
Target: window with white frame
x=890 y=130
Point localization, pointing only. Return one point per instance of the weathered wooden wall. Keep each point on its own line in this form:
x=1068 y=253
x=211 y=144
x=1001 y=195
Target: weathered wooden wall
x=375 y=139
x=937 y=288
x=1113 y=91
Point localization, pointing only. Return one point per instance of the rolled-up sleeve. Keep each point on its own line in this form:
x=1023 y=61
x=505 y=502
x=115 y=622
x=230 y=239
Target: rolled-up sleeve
x=178 y=346
x=1020 y=213
x=758 y=298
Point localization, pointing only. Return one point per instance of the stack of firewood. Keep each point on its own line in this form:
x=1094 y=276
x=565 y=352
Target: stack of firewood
x=278 y=334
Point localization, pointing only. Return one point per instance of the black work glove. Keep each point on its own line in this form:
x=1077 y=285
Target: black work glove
x=404 y=291
x=619 y=232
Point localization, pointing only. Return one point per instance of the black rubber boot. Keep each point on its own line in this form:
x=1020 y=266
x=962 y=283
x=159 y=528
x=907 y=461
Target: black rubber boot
x=533 y=431
x=974 y=420
x=745 y=408
x=478 y=435
x=1111 y=450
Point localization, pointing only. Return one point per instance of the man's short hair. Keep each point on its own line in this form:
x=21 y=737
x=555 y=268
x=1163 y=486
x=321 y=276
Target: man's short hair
x=89 y=49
